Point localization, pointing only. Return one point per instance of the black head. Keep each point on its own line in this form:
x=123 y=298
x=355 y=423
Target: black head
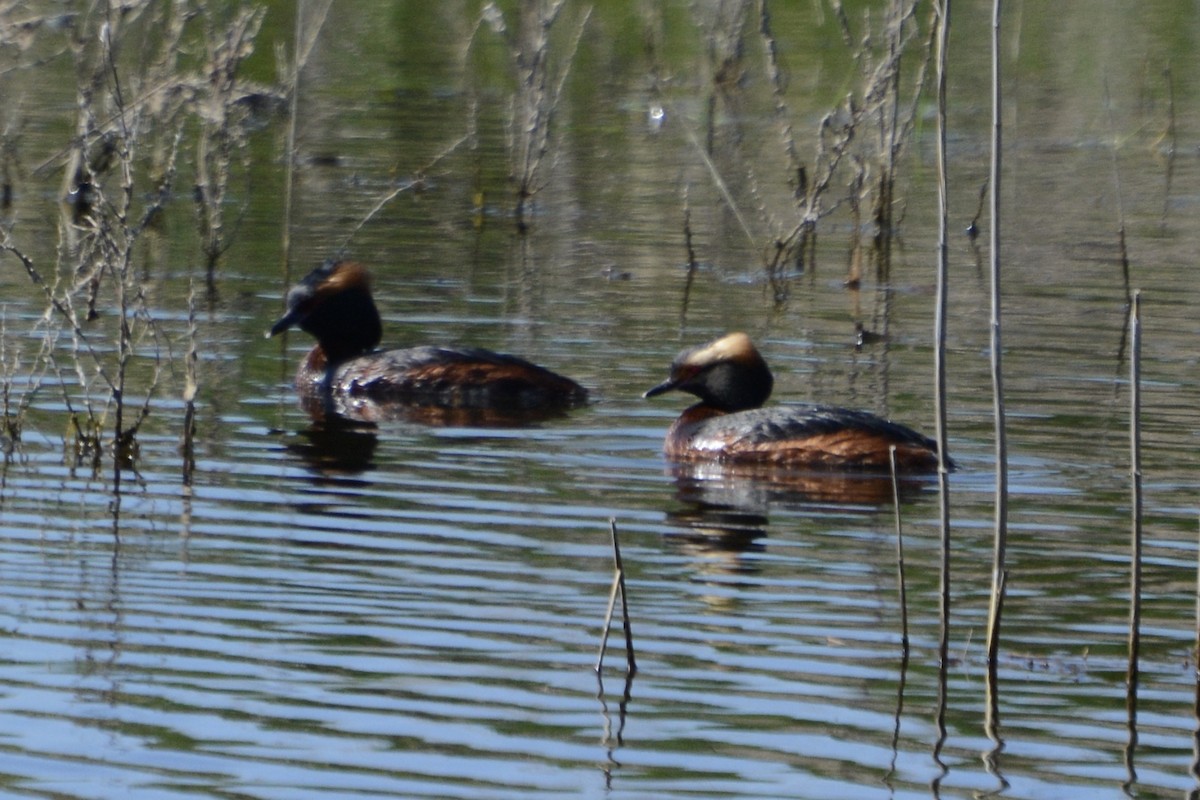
x=727 y=374
x=333 y=303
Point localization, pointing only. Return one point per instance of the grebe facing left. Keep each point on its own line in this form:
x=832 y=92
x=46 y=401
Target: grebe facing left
x=334 y=304
x=728 y=424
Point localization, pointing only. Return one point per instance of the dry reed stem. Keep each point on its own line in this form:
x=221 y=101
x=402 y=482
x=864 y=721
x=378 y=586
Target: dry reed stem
x=1000 y=533
x=692 y=265
x=939 y=317
x=618 y=587
x=901 y=583
x=1168 y=140
x=538 y=95
x=902 y=590
x=191 y=358
x=991 y=724
x=306 y=36
x=1195 y=765
x=943 y=27
x=1135 y=556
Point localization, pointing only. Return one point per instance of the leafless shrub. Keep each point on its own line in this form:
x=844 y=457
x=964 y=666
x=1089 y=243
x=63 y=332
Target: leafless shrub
x=856 y=146
x=138 y=106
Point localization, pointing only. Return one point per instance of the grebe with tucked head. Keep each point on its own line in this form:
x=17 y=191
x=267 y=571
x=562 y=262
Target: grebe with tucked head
x=728 y=424
x=335 y=305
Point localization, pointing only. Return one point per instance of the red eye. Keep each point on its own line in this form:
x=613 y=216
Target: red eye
x=682 y=373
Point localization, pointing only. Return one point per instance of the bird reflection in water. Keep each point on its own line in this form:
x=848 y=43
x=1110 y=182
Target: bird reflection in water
x=336 y=448
x=726 y=507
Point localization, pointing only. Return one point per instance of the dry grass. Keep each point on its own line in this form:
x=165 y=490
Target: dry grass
x=540 y=64
x=143 y=97
x=854 y=154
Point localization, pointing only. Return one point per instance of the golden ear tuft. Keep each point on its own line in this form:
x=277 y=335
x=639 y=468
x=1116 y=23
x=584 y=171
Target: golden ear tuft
x=735 y=346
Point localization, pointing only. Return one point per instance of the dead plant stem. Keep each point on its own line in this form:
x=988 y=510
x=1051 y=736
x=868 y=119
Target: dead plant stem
x=618 y=588
x=901 y=584
x=1001 y=453
x=1135 y=475
x=943 y=27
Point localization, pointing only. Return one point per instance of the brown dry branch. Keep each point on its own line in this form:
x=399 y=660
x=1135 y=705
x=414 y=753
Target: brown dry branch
x=894 y=122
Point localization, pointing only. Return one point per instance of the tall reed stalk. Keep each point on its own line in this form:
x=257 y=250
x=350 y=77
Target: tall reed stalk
x=943 y=32
x=1135 y=555
x=1001 y=491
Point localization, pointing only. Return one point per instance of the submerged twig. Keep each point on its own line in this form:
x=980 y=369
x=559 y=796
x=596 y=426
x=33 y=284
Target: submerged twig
x=618 y=587
x=973 y=226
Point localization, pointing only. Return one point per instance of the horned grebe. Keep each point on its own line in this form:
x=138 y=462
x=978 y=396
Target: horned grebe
x=344 y=370
x=728 y=424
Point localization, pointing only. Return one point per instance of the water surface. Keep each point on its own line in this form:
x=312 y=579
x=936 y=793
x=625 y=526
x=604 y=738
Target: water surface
x=415 y=610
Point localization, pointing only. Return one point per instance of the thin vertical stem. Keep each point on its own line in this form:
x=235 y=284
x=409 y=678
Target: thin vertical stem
x=900 y=580
x=939 y=362
x=1001 y=498
x=625 y=624
x=939 y=334
x=1135 y=567
x=289 y=172
x=618 y=587
x=904 y=641
x=1194 y=794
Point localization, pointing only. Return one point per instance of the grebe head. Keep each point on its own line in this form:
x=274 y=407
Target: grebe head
x=727 y=374
x=334 y=304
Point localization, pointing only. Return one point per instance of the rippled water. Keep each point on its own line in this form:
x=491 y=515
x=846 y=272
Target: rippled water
x=415 y=611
